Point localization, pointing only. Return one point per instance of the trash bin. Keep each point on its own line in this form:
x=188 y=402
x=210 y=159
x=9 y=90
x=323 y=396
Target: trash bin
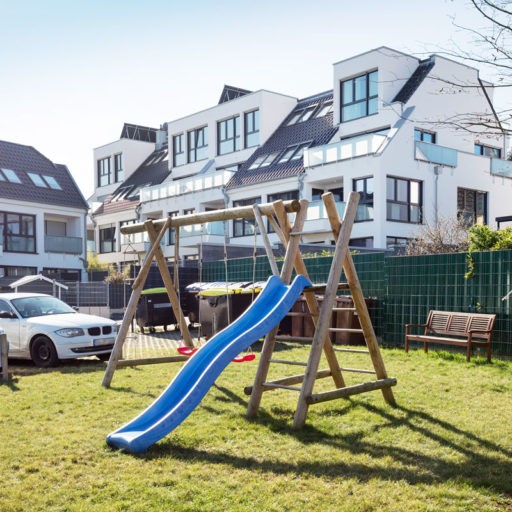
x=154 y=309
x=349 y=320
x=220 y=306
x=190 y=299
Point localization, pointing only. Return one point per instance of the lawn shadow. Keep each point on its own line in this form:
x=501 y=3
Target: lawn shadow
x=485 y=464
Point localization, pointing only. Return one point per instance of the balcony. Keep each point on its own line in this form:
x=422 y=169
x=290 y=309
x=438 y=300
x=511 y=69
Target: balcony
x=63 y=244
x=198 y=183
x=317 y=216
x=501 y=167
x=435 y=154
x=344 y=149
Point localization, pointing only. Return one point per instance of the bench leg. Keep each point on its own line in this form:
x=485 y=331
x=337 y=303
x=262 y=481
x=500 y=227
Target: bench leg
x=468 y=352
x=489 y=352
x=406 y=344
x=425 y=346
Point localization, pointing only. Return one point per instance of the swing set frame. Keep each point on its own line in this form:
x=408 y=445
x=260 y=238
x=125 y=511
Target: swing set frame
x=290 y=236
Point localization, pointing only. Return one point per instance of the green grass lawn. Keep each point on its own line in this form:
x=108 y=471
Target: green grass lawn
x=447 y=446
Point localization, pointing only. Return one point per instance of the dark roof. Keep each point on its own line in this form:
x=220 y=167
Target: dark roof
x=415 y=80
x=152 y=171
x=24 y=159
x=315 y=131
x=136 y=132
x=230 y=93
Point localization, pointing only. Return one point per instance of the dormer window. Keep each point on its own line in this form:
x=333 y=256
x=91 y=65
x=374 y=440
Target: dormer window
x=359 y=96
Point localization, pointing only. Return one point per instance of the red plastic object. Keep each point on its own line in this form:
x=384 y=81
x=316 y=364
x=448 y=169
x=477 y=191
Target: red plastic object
x=187 y=351
x=245 y=358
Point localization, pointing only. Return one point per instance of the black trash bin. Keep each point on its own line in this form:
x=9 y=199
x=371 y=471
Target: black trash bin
x=154 y=309
x=220 y=306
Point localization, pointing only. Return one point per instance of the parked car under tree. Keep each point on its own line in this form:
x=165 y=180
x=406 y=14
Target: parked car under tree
x=45 y=329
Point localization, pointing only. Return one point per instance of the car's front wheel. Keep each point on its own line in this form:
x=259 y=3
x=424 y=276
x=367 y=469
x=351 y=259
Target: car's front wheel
x=43 y=352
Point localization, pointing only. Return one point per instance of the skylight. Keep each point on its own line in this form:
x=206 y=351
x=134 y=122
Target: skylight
x=44 y=181
x=9 y=175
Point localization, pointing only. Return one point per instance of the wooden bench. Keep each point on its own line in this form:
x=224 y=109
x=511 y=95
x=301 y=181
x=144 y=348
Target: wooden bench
x=451 y=328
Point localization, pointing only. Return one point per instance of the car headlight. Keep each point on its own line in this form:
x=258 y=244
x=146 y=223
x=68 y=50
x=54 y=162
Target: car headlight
x=70 y=332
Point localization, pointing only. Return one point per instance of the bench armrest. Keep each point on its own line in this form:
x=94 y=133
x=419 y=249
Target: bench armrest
x=480 y=331
x=408 y=327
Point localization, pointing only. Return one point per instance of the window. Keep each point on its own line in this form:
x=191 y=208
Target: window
x=118 y=167
x=132 y=238
x=482 y=150
x=366 y=242
x=178 y=150
x=228 y=135
x=8 y=271
x=107 y=240
x=9 y=175
x=171 y=238
x=252 y=128
x=325 y=109
x=283 y=196
x=397 y=243
x=18 y=232
x=245 y=227
x=316 y=194
x=264 y=160
x=365 y=208
x=54 y=228
x=359 y=96
x=104 y=176
x=424 y=136
x=472 y=206
x=44 y=181
x=293 y=152
x=404 y=200
x=197 y=141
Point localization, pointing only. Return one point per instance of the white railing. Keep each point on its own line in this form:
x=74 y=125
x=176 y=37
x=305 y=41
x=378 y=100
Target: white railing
x=343 y=150
x=186 y=186
x=316 y=211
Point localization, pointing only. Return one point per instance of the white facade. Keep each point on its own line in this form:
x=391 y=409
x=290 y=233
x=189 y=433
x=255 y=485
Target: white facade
x=398 y=140
x=59 y=238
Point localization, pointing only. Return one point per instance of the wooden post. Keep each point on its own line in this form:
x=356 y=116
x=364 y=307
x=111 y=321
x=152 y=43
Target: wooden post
x=266 y=241
x=169 y=286
x=311 y=301
x=138 y=285
x=324 y=317
x=360 y=303
x=270 y=339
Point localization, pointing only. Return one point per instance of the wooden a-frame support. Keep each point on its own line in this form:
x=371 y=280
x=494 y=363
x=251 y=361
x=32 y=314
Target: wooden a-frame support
x=321 y=342
x=155 y=251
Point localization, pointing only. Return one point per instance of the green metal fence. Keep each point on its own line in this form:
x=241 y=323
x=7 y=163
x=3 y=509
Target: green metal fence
x=405 y=288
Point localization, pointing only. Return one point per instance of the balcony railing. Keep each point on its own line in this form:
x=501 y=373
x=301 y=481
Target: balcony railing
x=209 y=228
x=435 y=154
x=501 y=167
x=197 y=183
x=344 y=149
x=316 y=211
x=63 y=244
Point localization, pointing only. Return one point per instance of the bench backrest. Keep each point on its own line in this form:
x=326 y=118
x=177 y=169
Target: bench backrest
x=459 y=324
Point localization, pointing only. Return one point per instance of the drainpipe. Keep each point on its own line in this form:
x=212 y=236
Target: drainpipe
x=437 y=172
x=300 y=183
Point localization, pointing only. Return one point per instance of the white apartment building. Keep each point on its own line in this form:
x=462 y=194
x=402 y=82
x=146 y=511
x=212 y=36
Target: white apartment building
x=392 y=128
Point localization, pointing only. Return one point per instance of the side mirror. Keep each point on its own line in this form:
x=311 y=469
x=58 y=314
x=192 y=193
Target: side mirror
x=7 y=314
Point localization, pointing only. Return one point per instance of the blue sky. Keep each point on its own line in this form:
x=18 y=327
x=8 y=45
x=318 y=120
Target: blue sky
x=73 y=71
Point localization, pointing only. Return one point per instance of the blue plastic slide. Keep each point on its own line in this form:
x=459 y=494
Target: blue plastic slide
x=199 y=373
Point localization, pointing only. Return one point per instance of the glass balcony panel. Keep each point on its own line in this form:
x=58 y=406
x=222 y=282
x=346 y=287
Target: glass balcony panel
x=501 y=167
x=436 y=154
x=63 y=244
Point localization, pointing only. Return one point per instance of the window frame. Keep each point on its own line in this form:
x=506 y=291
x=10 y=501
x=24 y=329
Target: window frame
x=24 y=234
x=408 y=203
x=223 y=135
x=118 y=167
x=241 y=226
x=252 y=120
x=421 y=135
x=488 y=151
x=103 y=169
x=464 y=212
x=178 y=157
x=366 y=198
x=367 y=100
x=197 y=144
x=103 y=239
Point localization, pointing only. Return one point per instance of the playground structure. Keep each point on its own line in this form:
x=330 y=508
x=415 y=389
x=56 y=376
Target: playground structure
x=261 y=319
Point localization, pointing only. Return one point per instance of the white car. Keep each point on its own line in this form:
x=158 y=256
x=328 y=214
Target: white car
x=45 y=329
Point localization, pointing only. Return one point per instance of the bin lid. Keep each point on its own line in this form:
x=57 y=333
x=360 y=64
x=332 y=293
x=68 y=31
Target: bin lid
x=150 y=291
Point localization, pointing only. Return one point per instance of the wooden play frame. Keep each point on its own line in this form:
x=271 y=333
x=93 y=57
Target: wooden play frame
x=289 y=235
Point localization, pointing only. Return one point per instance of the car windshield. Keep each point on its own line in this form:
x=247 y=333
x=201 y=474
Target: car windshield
x=29 y=307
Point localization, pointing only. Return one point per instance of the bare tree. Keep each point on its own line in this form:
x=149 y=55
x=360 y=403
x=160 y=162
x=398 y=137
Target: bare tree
x=491 y=51
x=445 y=236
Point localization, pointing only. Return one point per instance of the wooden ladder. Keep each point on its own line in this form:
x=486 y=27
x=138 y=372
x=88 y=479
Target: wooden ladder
x=321 y=316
